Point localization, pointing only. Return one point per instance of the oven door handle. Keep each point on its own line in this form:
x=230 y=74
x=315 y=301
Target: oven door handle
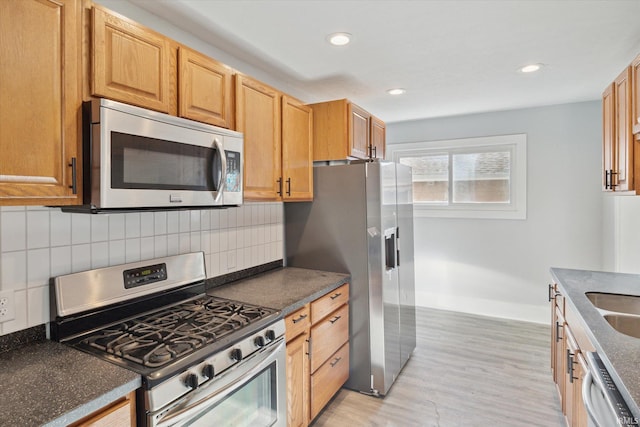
x=183 y=415
x=223 y=167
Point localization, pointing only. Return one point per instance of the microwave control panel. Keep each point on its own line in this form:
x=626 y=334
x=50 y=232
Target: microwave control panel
x=234 y=179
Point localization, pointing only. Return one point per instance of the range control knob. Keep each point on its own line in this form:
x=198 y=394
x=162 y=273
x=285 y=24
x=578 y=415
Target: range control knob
x=236 y=354
x=208 y=371
x=191 y=381
x=259 y=341
x=270 y=334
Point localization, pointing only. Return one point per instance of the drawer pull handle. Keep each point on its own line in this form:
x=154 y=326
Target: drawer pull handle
x=302 y=316
x=335 y=361
x=336 y=295
x=335 y=319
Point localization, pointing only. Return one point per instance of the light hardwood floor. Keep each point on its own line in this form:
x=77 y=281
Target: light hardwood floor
x=466 y=370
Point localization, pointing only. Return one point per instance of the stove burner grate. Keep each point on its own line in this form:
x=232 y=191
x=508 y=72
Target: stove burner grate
x=156 y=339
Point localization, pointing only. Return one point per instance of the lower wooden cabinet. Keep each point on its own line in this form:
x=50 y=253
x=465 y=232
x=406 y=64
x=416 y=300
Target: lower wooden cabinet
x=328 y=379
x=568 y=364
x=121 y=413
x=317 y=355
x=297 y=336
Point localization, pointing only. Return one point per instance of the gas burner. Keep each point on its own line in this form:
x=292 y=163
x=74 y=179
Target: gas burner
x=156 y=339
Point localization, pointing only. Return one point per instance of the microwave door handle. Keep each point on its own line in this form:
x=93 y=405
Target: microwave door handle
x=223 y=164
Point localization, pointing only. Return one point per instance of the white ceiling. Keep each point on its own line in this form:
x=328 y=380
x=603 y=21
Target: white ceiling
x=452 y=56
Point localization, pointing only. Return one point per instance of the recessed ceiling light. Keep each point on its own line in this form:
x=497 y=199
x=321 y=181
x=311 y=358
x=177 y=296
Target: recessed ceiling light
x=339 y=39
x=531 y=68
x=397 y=91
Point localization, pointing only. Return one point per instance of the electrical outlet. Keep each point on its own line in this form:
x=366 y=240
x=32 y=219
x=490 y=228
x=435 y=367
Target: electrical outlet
x=7 y=311
x=231 y=260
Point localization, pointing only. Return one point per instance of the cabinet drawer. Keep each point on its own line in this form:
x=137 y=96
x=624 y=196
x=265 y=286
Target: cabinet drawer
x=297 y=322
x=325 y=305
x=328 y=379
x=119 y=414
x=328 y=335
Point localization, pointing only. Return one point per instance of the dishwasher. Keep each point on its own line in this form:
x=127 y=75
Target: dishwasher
x=604 y=404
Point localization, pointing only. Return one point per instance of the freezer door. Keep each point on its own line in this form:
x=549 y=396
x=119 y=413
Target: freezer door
x=383 y=276
x=406 y=270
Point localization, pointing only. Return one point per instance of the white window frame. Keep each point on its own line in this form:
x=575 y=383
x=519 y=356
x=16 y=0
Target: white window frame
x=516 y=143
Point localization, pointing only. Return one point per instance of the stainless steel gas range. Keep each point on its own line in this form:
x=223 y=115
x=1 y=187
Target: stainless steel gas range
x=203 y=360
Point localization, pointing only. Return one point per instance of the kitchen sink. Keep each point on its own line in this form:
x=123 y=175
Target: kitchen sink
x=619 y=303
x=628 y=325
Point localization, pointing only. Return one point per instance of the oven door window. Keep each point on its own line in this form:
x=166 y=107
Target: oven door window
x=254 y=404
x=139 y=162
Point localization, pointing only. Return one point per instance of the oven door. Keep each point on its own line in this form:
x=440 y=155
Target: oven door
x=251 y=394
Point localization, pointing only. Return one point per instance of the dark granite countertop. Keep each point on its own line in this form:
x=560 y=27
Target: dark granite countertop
x=285 y=289
x=619 y=352
x=48 y=383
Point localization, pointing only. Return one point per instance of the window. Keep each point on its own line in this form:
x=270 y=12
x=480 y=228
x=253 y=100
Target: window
x=472 y=178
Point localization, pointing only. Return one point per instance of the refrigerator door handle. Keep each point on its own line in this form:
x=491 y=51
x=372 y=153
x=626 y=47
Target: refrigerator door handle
x=398 y=246
x=390 y=249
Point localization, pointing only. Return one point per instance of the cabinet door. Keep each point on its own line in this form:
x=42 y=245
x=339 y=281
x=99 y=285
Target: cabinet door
x=331 y=130
x=131 y=63
x=608 y=136
x=40 y=99
x=358 y=132
x=580 y=417
x=623 y=142
x=205 y=89
x=573 y=373
x=297 y=382
x=258 y=118
x=378 y=138
x=554 y=330
x=560 y=361
x=297 y=150
x=635 y=95
x=327 y=380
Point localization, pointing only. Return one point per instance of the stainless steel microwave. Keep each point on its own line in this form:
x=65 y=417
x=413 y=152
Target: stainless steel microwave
x=137 y=159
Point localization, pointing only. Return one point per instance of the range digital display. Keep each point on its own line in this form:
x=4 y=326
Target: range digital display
x=144 y=275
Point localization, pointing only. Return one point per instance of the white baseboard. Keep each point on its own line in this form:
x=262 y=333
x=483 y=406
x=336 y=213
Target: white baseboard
x=486 y=307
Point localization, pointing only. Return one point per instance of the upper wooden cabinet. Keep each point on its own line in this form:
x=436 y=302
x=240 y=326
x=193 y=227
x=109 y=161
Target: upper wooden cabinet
x=297 y=150
x=608 y=136
x=131 y=63
x=258 y=117
x=342 y=130
x=205 y=89
x=635 y=95
x=277 y=141
x=40 y=87
x=617 y=134
x=359 y=131
x=378 y=138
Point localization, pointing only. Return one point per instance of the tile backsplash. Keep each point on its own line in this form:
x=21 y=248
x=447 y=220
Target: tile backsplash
x=37 y=243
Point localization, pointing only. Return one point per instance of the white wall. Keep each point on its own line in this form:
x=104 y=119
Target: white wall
x=621 y=229
x=500 y=267
x=170 y=30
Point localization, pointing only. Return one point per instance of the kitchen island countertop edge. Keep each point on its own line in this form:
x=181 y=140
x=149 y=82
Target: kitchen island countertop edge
x=620 y=353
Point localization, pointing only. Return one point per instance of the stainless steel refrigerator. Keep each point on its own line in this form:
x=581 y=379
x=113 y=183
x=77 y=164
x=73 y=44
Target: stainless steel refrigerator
x=361 y=222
